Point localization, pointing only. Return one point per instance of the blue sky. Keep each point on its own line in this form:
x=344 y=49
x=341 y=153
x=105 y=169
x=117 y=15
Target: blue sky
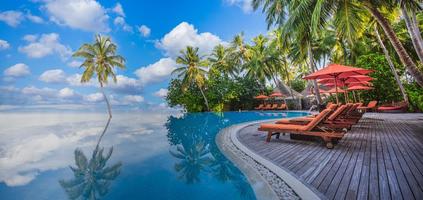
x=37 y=38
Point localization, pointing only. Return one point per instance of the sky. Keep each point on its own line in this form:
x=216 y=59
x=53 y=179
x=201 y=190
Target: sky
x=38 y=37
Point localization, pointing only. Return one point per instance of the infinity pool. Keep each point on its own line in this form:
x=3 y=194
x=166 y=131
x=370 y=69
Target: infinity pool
x=155 y=156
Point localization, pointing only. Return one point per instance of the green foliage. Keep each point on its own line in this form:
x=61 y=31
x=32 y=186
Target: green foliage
x=386 y=89
x=100 y=59
x=223 y=93
x=415 y=96
x=298 y=84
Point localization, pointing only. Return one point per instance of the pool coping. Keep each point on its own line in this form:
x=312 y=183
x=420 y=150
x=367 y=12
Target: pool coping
x=264 y=189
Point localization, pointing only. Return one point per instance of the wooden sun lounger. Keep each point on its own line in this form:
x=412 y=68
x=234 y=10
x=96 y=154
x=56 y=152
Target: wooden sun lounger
x=261 y=106
x=370 y=106
x=267 y=107
x=314 y=128
x=272 y=107
x=282 y=107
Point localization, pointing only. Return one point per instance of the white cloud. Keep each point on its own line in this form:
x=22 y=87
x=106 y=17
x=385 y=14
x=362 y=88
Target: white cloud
x=132 y=99
x=66 y=93
x=120 y=21
x=75 y=80
x=87 y=15
x=162 y=93
x=125 y=85
x=34 y=18
x=94 y=97
x=45 y=45
x=30 y=37
x=11 y=17
x=46 y=92
x=186 y=35
x=18 y=70
x=4 y=44
x=53 y=76
x=144 y=30
x=245 y=5
x=156 y=72
x=118 y=10
x=74 y=63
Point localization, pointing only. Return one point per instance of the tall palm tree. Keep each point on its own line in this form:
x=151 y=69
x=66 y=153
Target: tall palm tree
x=220 y=59
x=347 y=17
x=193 y=70
x=100 y=60
x=391 y=64
x=408 y=10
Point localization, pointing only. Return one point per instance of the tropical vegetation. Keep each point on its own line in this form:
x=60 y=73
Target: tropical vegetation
x=304 y=36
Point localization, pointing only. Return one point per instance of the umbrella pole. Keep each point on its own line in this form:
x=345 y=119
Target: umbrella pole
x=336 y=90
x=355 y=100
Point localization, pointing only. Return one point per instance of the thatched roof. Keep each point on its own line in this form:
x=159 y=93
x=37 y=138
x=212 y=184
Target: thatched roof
x=286 y=90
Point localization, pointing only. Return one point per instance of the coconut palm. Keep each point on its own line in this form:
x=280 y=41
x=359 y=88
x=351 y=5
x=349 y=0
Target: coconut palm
x=346 y=15
x=192 y=70
x=391 y=64
x=100 y=60
x=220 y=60
x=92 y=178
x=408 y=10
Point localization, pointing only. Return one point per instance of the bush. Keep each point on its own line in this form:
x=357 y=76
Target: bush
x=415 y=97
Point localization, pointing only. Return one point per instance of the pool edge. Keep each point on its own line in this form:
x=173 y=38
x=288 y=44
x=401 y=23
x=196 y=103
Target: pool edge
x=228 y=136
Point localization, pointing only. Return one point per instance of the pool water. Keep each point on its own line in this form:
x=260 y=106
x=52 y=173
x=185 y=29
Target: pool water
x=154 y=156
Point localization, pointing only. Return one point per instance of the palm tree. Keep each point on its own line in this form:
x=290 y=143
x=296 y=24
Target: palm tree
x=408 y=10
x=100 y=59
x=391 y=64
x=220 y=60
x=347 y=17
x=192 y=70
x=92 y=177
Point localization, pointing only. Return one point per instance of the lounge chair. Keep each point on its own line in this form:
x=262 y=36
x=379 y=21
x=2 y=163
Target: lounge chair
x=370 y=106
x=261 y=106
x=267 y=107
x=313 y=128
x=395 y=108
x=273 y=107
x=282 y=107
x=338 y=119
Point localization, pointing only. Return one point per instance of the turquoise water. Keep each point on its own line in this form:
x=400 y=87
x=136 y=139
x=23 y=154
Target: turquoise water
x=155 y=156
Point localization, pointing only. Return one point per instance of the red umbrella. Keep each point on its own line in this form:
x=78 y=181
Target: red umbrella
x=276 y=94
x=261 y=97
x=333 y=90
x=359 y=87
x=336 y=71
x=363 y=83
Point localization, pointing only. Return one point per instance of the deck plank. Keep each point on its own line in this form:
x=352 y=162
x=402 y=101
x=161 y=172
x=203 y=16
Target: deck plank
x=379 y=158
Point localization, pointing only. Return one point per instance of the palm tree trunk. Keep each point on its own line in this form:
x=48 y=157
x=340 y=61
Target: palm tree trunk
x=418 y=45
x=316 y=87
x=391 y=65
x=205 y=99
x=402 y=53
x=108 y=120
x=414 y=24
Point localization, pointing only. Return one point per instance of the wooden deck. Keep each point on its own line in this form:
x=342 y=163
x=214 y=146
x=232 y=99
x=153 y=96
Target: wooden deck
x=379 y=158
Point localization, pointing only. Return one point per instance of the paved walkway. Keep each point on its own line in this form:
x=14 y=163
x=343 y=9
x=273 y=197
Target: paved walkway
x=379 y=158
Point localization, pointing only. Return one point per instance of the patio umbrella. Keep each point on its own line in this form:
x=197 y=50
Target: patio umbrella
x=276 y=94
x=358 y=87
x=333 y=90
x=261 y=97
x=336 y=71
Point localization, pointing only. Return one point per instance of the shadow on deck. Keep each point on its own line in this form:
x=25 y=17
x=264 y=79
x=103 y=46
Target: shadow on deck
x=379 y=158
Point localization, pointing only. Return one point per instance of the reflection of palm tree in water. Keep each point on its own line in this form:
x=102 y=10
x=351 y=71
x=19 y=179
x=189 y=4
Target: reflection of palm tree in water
x=92 y=177
x=194 y=159
x=195 y=147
